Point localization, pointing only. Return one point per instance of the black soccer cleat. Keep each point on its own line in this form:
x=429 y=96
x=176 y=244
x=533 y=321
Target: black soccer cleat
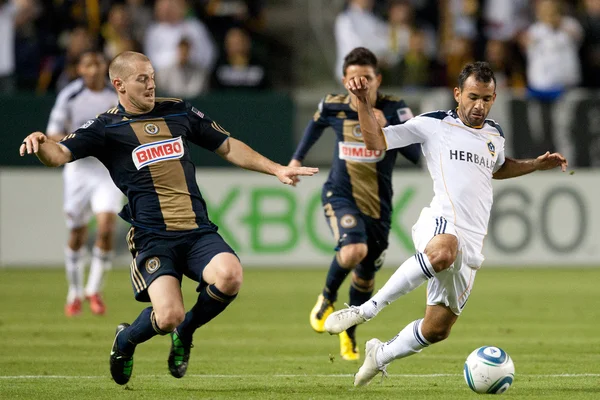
x=179 y=355
x=121 y=364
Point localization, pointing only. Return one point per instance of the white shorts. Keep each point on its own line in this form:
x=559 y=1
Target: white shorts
x=88 y=190
x=453 y=286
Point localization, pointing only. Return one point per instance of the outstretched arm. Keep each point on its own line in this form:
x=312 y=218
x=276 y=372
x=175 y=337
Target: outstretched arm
x=370 y=128
x=513 y=168
x=50 y=153
x=240 y=154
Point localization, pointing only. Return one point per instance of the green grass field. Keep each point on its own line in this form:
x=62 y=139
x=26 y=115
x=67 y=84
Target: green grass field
x=262 y=347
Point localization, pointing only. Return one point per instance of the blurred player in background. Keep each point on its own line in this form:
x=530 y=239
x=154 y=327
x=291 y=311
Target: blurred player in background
x=88 y=188
x=464 y=152
x=357 y=196
x=144 y=143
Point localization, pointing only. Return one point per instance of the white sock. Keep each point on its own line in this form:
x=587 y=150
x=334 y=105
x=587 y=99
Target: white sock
x=101 y=261
x=74 y=261
x=409 y=341
x=409 y=276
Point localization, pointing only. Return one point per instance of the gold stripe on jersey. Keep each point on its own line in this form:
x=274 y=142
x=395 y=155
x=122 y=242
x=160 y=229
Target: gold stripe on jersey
x=337 y=98
x=173 y=99
x=219 y=128
x=169 y=181
x=363 y=177
x=113 y=110
x=470 y=129
x=317 y=115
x=330 y=214
x=129 y=239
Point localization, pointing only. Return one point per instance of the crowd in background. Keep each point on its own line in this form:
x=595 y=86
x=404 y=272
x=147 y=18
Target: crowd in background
x=542 y=46
x=193 y=45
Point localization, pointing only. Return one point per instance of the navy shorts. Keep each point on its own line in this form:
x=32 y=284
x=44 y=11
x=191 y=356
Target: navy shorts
x=349 y=225
x=169 y=253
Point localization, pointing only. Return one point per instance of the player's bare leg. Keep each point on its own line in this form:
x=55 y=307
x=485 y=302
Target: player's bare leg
x=74 y=264
x=166 y=313
x=223 y=275
x=102 y=256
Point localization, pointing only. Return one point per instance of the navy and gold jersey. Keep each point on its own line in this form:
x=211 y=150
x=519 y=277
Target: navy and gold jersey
x=360 y=175
x=148 y=158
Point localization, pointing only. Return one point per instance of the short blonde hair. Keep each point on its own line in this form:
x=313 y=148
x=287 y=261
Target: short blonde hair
x=121 y=65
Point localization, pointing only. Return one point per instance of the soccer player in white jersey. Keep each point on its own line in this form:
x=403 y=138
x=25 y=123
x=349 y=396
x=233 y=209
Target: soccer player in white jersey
x=464 y=151
x=88 y=188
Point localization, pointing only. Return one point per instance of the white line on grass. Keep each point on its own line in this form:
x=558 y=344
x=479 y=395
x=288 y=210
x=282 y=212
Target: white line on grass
x=16 y=377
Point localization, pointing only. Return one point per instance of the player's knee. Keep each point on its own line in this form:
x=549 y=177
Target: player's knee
x=441 y=258
x=77 y=238
x=438 y=333
x=104 y=239
x=169 y=319
x=351 y=255
x=230 y=278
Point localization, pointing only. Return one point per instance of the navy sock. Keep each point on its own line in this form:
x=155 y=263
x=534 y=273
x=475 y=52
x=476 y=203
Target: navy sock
x=141 y=330
x=358 y=295
x=211 y=302
x=335 y=278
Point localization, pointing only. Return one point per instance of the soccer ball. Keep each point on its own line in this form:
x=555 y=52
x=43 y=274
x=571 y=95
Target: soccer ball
x=490 y=370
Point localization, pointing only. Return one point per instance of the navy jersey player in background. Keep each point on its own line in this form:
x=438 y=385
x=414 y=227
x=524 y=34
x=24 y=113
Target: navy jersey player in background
x=143 y=142
x=357 y=195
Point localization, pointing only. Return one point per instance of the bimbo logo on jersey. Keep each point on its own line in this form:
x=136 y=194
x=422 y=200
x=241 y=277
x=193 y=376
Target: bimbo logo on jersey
x=358 y=152
x=154 y=152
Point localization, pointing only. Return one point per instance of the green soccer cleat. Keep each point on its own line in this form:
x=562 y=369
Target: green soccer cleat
x=121 y=364
x=179 y=355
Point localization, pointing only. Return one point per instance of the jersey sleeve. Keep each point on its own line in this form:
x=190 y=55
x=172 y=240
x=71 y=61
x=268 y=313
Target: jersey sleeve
x=312 y=133
x=415 y=130
x=57 y=124
x=499 y=161
x=86 y=141
x=204 y=131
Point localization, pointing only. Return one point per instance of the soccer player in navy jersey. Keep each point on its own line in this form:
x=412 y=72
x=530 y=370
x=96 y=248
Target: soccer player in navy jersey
x=357 y=196
x=144 y=144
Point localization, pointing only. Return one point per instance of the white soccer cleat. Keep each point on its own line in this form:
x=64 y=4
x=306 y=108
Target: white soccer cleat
x=370 y=369
x=341 y=320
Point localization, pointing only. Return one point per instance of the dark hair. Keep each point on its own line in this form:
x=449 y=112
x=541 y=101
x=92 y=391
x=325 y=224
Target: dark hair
x=360 y=56
x=85 y=52
x=481 y=70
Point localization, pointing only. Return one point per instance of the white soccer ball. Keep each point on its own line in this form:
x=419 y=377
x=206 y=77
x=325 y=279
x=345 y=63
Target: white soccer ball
x=490 y=370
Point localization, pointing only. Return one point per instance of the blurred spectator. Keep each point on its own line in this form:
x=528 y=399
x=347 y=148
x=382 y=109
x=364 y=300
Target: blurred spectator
x=459 y=51
x=171 y=25
x=508 y=72
x=183 y=79
x=238 y=68
x=358 y=26
x=221 y=15
x=552 y=49
x=417 y=69
x=57 y=72
x=590 y=49
x=504 y=19
x=117 y=32
x=401 y=20
x=13 y=13
x=140 y=16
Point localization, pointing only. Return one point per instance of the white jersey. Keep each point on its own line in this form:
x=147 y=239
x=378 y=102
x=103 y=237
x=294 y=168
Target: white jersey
x=461 y=161
x=75 y=105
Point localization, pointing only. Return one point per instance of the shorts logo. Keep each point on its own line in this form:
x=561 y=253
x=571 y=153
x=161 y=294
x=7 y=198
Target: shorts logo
x=348 y=221
x=356 y=131
x=162 y=150
x=151 y=129
x=491 y=148
x=358 y=152
x=152 y=264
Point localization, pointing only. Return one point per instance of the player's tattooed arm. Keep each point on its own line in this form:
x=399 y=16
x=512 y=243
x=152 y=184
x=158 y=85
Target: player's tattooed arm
x=49 y=152
x=513 y=167
x=242 y=155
